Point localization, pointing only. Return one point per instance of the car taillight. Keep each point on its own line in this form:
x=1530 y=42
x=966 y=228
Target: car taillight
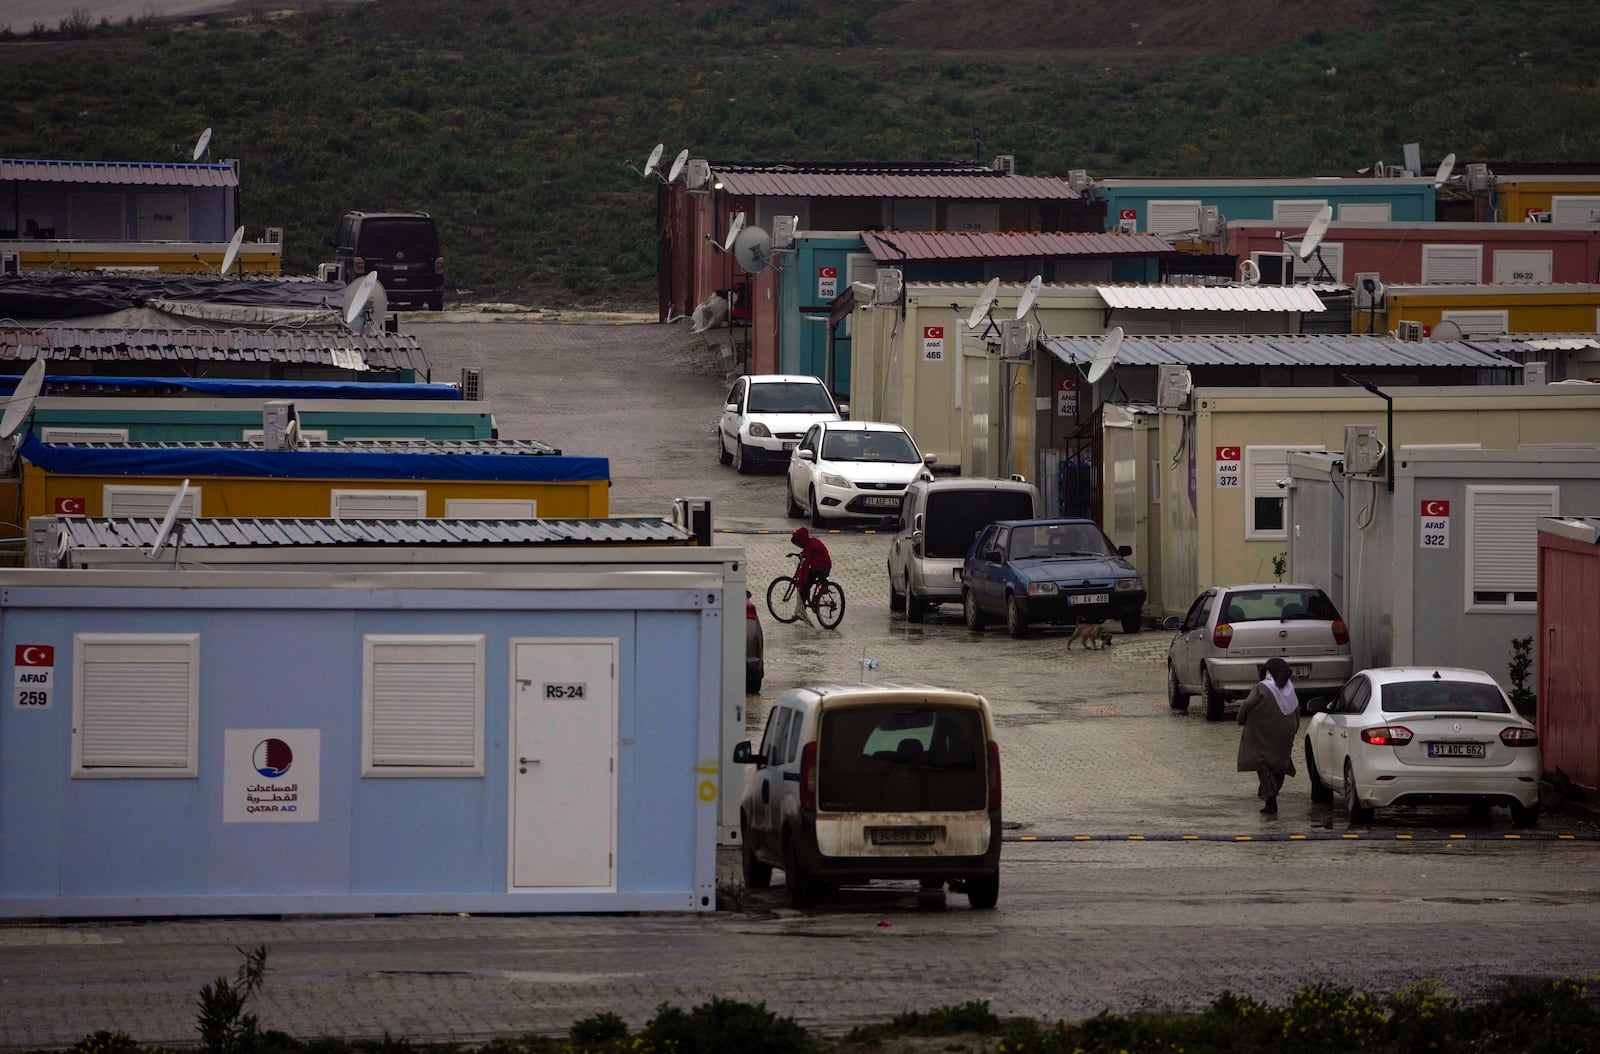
x=994 y=774
x=1341 y=632
x=438 y=265
x=808 y=778
x=1387 y=736
x=750 y=609
x=361 y=265
x=1517 y=736
x=1222 y=636
x=916 y=546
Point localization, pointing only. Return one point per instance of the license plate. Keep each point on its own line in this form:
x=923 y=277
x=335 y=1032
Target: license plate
x=883 y=503
x=905 y=835
x=1090 y=598
x=1457 y=750
x=1300 y=671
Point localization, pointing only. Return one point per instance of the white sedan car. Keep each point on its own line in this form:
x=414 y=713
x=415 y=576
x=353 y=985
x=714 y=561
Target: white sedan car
x=1419 y=735
x=846 y=469
x=766 y=414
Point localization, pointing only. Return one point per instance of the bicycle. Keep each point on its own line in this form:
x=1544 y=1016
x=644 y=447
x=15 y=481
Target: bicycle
x=827 y=603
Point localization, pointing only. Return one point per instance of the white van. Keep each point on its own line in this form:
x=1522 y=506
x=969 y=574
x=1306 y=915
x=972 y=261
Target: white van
x=859 y=782
x=938 y=520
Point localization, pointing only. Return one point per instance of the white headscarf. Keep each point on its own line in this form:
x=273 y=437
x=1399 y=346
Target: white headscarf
x=1287 y=701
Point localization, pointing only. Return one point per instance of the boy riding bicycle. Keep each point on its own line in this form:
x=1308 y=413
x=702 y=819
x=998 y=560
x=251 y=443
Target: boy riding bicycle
x=812 y=571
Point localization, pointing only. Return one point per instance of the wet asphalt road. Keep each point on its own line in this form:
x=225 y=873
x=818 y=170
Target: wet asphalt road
x=1142 y=875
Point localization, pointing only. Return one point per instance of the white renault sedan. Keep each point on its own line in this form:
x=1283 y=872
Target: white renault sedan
x=847 y=469
x=766 y=414
x=1421 y=735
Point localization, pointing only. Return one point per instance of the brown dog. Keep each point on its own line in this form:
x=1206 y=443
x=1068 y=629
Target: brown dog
x=1092 y=634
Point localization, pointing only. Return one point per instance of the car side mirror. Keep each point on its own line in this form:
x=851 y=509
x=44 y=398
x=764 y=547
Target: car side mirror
x=844 y=411
x=1124 y=550
x=930 y=459
x=805 y=455
x=732 y=408
x=1316 y=706
x=742 y=755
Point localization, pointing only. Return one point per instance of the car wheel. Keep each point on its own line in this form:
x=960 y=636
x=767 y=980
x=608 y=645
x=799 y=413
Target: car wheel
x=752 y=683
x=1525 y=815
x=723 y=457
x=756 y=874
x=983 y=893
x=1216 y=702
x=793 y=507
x=916 y=607
x=969 y=608
x=1353 y=808
x=1177 y=698
x=436 y=302
x=897 y=599
x=1016 y=618
x=743 y=463
x=802 y=887
x=816 y=511
x=1132 y=624
x=1319 y=790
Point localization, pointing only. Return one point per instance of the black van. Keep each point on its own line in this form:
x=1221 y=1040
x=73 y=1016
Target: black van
x=402 y=247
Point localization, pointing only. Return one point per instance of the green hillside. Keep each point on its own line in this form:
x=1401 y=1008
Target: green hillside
x=513 y=121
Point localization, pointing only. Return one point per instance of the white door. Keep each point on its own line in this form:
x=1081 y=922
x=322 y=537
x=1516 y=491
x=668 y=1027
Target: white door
x=563 y=769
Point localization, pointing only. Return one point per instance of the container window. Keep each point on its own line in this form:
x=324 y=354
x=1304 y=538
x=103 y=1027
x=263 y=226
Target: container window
x=135 y=705
x=422 y=705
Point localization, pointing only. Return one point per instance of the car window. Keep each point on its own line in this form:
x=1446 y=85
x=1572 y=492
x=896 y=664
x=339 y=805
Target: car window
x=791 y=745
x=901 y=757
x=1198 y=611
x=790 y=397
x=780 y=742
x=417 y=237
x=1473 y=697
x=735 y=392
x=1255 y=605
x=1057 y=539
x=1359 y=696
x=770 y=735
x=1001 y=540
x=809 y=440
x=956 y=516
x=854 y=444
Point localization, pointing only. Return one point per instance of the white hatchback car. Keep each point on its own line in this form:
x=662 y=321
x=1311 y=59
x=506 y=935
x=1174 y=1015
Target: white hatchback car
x=846 y=469
x=1420 y=735
x=766 y=414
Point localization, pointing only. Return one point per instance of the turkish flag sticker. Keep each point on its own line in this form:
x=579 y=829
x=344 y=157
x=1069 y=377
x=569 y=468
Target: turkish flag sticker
x=1227 y=453
x=36 y=654
x=69 y=506
x=1436 y=509
x=827 y=272
x=933 y=332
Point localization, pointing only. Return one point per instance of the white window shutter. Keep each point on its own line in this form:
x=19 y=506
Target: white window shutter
x=136 y=704
x=1452 y=264
x=424 y=705
x=147 y=502
x=1505 y=536
x=71 y=434
x=860 y=267
x=380 y=504
x=1173 y=217
x=1477 y=323
x=1365 y=212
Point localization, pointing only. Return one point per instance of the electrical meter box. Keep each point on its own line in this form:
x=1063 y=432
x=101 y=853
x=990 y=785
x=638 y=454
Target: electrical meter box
x=1361 y=449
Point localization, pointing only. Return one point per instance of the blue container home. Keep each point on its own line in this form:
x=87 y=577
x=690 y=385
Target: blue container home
x=1172 y=207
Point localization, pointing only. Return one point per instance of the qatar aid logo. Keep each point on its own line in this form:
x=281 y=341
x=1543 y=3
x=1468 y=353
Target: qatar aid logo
x=272 y=758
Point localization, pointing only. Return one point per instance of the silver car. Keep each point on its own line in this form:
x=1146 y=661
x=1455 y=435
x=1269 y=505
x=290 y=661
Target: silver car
x=1223 y=644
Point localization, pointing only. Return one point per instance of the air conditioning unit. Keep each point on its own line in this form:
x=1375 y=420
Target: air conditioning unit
x=1014 y=338
x=10 y=263
x=1006 y=163
x=1479 y=178
x=1210 y=221
x=783 y=228
x=471 y=384
x=1361 y=452
x=697 y=173
x=1078 y=179
x=1395 y=171
x=330 y=272
x=1408 y=331
x=1173 y=385
x=1535 y=373
x=280 y=426
x=1275 y=268
x=1538 y=217
x=887 y=285
x=1368 y=289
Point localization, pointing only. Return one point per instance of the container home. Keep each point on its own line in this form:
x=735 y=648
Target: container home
x=97 y=419
x=380 y=742
x=1567 y=648
x=1196 y=210
x=1547 y=198
x=1484 y=310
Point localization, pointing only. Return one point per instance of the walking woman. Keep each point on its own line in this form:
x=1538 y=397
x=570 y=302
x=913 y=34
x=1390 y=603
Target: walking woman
x=1270 y=715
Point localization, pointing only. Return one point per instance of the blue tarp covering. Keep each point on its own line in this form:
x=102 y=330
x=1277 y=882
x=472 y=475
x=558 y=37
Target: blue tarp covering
x=58 y=384
x=312 y=464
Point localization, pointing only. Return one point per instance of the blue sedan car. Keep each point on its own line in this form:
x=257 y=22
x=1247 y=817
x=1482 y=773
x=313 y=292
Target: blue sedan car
x=1062 y=571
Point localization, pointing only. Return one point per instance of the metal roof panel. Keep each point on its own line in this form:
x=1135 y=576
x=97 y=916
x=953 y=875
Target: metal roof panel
x=131 y=173
x=1348 y=350
x=382 y=352
x=896 y=246
x=895 y=185
x=95 y=532
x=1211 y=297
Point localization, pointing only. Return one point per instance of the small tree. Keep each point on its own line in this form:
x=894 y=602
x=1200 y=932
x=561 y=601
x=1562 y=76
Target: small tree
x=1280 y=565
x=1524 y=698
x=224 y=1026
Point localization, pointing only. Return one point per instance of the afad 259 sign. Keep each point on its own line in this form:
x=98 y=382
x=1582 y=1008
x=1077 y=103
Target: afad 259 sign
x=35 y=666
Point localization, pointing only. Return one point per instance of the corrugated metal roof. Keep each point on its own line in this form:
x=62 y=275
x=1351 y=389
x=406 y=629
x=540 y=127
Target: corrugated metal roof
x=367 y=446
x=896 y=185
x=1568 y=342
x=118 y=533
x=386 y=352
x=895 y=246
x=1211 y=298
x=136 y=173
x=1506 y=291
x=1328 y=349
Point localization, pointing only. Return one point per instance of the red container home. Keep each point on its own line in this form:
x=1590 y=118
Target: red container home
x=1567 y=650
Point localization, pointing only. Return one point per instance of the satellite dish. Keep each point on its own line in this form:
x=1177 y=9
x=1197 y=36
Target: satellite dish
x=356 y=297
x=980 y=310
x=1249 y=272
x=677 y=165
x=1314 y=233
x=1377 y=168
x=654 y=163
x=21 y=404
x=1445 y=329
x=232 y=255
x=169 y=521
x=1105 y=355
x=1029 y=295
x=752 y=248
x=1446 y=166
x=202 y=144
x=735 y=225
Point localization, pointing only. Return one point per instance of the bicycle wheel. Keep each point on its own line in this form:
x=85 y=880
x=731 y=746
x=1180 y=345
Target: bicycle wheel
x=830 y=605
x=781 y=599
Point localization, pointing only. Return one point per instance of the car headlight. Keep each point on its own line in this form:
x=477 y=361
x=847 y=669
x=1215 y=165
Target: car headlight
x=831 y=480
x=1125 y=585
x=759 y=430
x=1042 y=589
